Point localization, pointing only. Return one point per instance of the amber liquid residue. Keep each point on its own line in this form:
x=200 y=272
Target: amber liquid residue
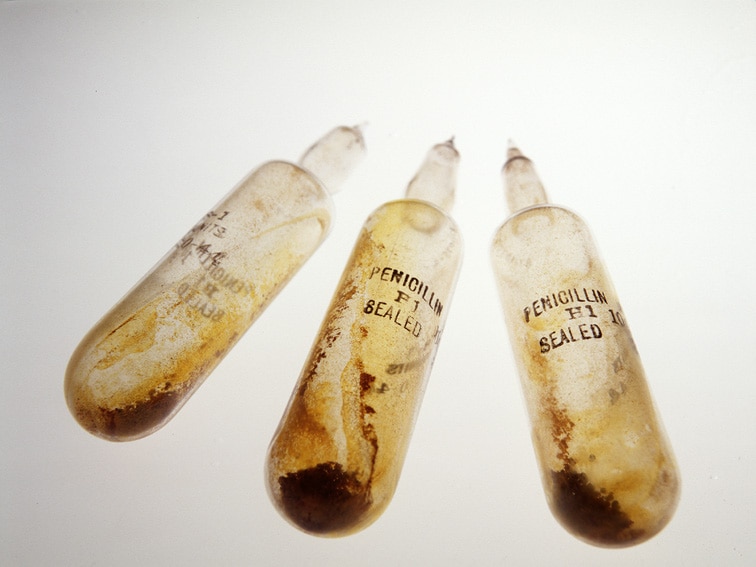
x=335 y=460
x=609 y=474
x=143 y=360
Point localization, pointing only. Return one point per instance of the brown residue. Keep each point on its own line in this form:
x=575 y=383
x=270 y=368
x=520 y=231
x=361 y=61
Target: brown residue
x=366 y=382
x=368 y=430
x=561 y=429
x=136 y=416
x=137 y=412
x=137 y=419
x=324 y=499
x=592 y=514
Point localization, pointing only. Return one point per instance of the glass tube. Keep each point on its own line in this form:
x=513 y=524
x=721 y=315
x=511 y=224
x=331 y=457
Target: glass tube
x=607 y=469
x=143 y=360
x=335 y=460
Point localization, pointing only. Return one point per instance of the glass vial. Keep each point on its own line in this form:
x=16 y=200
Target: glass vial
x=607 y=469
x=335 y=459
x=143 y=360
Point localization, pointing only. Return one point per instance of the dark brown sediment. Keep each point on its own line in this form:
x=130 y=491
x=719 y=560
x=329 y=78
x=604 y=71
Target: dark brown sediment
x=124 y=417
x=133 y=420
x=590 y=513
x=324 y=499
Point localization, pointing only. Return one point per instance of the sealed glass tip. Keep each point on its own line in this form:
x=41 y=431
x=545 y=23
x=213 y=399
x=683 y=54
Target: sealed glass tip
x=436 y=180
x=332 y=158
x=522 y=184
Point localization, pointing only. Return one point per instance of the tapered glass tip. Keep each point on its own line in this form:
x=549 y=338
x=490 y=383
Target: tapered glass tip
x=523 y=188
x=436 y=180
x=332 y=158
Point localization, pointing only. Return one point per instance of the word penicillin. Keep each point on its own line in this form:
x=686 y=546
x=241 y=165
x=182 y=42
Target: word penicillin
x=334 y=462
x=143 y=360
x=608 y=471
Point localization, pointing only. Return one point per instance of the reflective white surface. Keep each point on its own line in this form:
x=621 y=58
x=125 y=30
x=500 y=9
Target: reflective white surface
x=122 y=123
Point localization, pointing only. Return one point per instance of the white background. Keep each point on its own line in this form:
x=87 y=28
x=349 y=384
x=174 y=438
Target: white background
x=122 y=123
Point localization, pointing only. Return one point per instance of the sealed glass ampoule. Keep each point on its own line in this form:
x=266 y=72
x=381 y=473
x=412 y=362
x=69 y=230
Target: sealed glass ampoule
x=607 y=469
x=141 y=362
x=335 y=459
